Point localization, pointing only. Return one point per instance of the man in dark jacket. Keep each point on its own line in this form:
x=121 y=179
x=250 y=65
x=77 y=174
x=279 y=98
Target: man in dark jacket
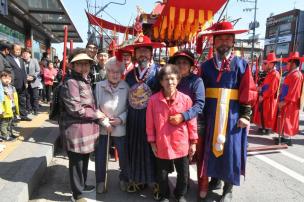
x=20 y=81
x=4 y=51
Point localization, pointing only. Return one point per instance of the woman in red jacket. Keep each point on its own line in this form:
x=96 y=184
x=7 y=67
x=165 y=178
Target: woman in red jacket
x=172 y=145
x=49 y=75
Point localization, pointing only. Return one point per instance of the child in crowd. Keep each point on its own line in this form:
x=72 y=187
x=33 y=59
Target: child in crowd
x=9 y=106
x=2 y=146
x=172 y=145
x=49 y=75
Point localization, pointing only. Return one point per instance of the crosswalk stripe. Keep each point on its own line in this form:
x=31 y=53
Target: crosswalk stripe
x=282 y=168
x=292 y=156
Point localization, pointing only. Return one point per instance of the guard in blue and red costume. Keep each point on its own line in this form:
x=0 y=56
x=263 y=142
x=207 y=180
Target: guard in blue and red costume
x=290 y=101
x=230 y=95
x=265 y=111
x=143 y=83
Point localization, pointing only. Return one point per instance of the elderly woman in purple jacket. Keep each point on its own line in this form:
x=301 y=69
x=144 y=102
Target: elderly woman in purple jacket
x=79 y=121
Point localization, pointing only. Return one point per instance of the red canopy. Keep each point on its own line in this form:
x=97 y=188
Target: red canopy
x=180 y=20
x=93 y=20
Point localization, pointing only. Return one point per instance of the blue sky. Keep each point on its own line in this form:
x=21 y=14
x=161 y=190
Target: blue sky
x=124 y=13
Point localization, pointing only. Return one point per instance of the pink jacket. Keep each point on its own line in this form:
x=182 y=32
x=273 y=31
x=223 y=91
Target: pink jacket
x=171 y=141
x=49 y=75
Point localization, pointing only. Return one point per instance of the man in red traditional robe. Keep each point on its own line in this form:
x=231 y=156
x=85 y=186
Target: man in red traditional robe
x=289 y=101
x=124 y=55
x=266 y=108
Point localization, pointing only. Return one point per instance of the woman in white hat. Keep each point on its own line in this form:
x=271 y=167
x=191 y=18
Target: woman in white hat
x=79 y=123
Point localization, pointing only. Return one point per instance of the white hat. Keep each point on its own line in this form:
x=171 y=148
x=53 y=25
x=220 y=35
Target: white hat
x=81 y=56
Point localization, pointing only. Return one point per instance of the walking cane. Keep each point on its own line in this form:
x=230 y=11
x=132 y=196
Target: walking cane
x=107 y=161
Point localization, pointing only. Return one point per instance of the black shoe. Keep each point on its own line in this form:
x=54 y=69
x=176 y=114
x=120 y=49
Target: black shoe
x=215 y=184
x=286 y=141
x=25 y=118
x=88 y=188
x=9 y=139
x=35 y=113
x=227 y=193
x=14 y=136
x=181 y=199
x=260 y=131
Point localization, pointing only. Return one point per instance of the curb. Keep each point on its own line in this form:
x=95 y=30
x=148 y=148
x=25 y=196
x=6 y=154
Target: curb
x=22 y=170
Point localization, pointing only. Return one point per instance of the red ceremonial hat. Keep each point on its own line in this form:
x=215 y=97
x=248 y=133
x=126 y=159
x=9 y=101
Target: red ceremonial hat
x=145 y=41
x=271 y=57
x=182 y=53
x=122 y=50
x=221 y=28
x=294 y=56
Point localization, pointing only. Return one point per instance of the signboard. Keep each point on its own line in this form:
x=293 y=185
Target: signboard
x=281 y=39
x=275 y=20
x=13 y=36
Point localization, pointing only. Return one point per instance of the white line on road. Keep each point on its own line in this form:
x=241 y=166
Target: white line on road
x=292 y=156
x=282 y=168
x=285 y=153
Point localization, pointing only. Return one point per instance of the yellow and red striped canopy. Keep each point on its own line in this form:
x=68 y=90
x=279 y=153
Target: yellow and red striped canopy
x=181 y=19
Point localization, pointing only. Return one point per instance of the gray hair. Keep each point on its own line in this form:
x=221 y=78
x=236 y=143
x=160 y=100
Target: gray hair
x=113 y=62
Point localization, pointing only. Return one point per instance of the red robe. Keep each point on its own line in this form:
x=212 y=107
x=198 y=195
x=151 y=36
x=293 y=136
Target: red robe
x=288 y=119
x=269 y=90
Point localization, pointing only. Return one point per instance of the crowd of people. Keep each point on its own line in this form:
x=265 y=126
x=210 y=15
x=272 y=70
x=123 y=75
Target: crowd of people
x=160 y=117
x=25 y=85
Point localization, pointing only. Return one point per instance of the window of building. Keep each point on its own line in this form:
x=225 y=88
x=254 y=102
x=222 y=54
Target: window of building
x=272 y=32
x=269 y=48
x=282 y=49
x=285 y=28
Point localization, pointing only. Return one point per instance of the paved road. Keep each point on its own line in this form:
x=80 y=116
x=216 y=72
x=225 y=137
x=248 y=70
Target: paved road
x=270 y=176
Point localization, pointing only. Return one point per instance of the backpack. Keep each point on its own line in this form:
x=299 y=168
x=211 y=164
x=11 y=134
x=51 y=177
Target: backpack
x=56 y=104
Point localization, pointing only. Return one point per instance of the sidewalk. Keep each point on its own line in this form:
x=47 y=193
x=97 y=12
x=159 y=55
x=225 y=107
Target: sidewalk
x=24 y=161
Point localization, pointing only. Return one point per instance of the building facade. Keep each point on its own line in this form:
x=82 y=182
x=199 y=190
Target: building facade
x=36 y=24
x=285 y=33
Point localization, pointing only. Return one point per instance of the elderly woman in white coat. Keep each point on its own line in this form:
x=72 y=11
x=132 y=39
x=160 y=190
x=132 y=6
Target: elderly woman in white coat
x=111 y=98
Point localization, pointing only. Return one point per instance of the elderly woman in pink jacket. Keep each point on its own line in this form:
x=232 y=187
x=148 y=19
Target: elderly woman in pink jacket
x=173 y=145
x=49 y=74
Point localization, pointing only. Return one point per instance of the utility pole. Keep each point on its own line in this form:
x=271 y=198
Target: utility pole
x=253 y=35
x=253 y=25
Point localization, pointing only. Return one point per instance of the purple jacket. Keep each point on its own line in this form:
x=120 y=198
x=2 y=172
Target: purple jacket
x=79 y=119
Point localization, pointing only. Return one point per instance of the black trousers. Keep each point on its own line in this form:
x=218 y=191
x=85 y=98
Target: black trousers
x=78 y=170
x=22 y=101
x=164 y=167
x=48 y=92
x=32 y=99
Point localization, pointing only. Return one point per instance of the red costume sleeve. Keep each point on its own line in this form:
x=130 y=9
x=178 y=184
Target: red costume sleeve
x=247 y=92
x=273 y=83
x=294 y=83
